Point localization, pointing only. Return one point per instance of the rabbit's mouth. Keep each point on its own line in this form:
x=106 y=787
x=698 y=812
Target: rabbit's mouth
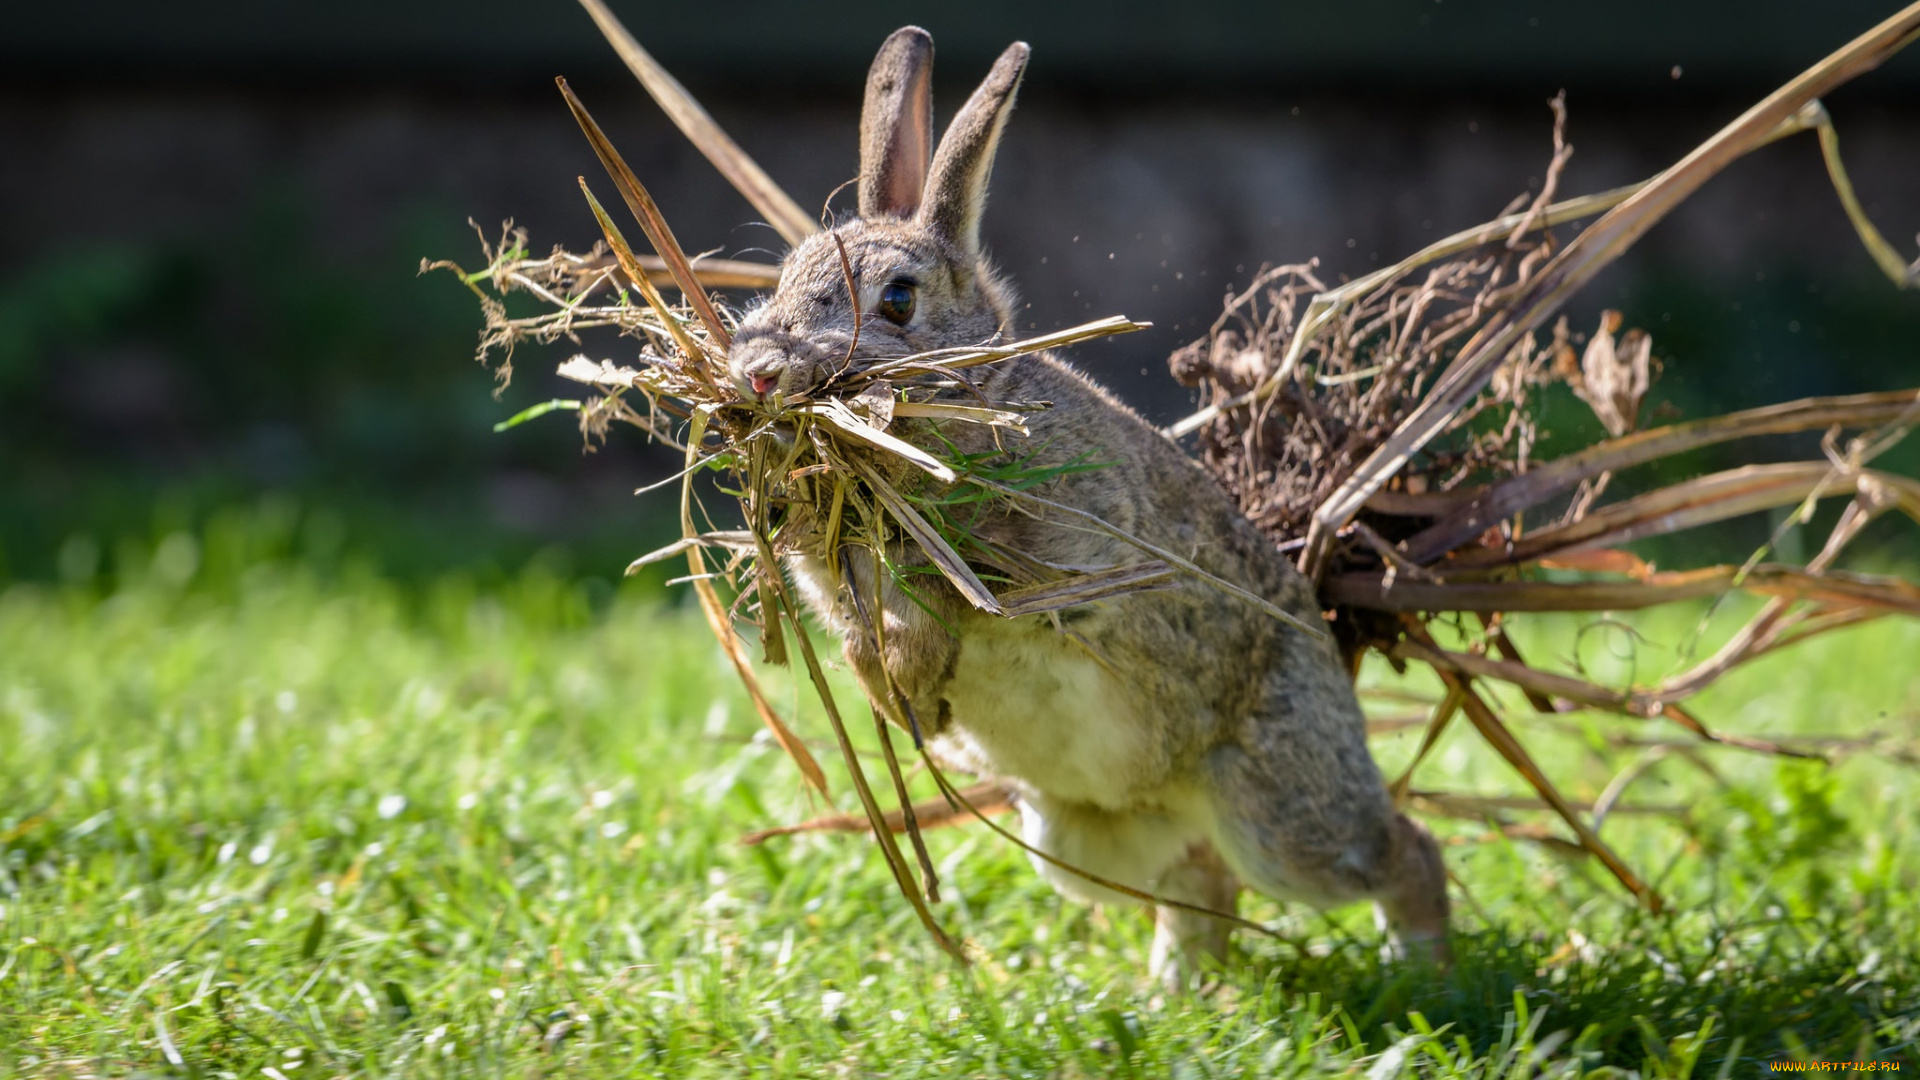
x=768 y=362
x=790 y=380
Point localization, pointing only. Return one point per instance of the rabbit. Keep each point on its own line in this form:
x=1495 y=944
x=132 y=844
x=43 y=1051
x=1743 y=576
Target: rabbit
x=1179 y=741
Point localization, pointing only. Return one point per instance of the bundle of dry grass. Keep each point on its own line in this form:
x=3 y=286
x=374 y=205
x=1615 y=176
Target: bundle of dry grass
x=1381 y=429
x=1281 y=441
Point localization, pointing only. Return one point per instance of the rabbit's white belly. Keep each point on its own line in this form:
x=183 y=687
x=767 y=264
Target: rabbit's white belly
x=1030 y=706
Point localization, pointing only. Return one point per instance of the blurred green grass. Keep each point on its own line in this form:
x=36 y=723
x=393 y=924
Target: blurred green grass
x=260 y=810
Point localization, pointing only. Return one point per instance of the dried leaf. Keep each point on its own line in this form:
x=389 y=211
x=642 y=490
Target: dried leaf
x=598 y=373
x=843 y=418
x=966 y=413
x=1615 y=374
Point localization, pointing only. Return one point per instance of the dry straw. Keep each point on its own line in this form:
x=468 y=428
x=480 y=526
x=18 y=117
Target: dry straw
x=1381 y=429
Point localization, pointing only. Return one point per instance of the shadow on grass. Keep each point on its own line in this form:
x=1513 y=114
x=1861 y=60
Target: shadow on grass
x=1772 y=990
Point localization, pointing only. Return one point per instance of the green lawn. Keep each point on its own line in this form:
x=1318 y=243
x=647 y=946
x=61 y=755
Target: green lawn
x=253 y=822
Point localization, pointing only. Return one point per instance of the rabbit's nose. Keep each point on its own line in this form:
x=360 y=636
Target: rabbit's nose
x=757 y=364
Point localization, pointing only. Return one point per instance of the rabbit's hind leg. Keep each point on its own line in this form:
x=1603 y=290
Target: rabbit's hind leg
x=1301 y=813
x=1183 y=941
x=1162 y=851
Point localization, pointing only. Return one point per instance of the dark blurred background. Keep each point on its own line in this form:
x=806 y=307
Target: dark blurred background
x=215 y=213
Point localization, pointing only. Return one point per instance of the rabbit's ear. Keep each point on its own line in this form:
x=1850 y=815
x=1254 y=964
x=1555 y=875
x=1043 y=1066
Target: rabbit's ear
x=896 y=125
x=957 y=191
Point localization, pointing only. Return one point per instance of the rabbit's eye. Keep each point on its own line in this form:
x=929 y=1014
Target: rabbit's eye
x=896 y=302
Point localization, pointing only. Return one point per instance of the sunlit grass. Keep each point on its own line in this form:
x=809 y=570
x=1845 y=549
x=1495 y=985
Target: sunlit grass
x=252 y=820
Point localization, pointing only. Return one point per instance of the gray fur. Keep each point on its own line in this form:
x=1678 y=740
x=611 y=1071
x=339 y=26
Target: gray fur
x=896 y=126
x=1179 y=741
x=957 y=188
